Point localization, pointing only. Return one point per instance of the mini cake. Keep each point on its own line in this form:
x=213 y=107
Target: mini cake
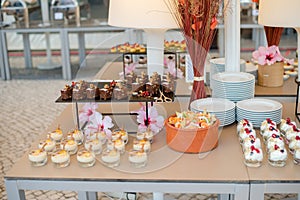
x=56 y=135
x=120 y=134
x=286 y=125
x=294 y=144
x=142 y=145
x=92 y=92
x=155 y=78
x=69 y=145
x=277 y=156
x=143 y=78
x=275 y=140
x=266 y=124
x=152 y=89
x=291 y=134
x=37 y=157
x=296 y=156
x=111 y=157
x=270 y=132
x=106 y=92
x=119 y=145
x=136 y=86
x=66 y=93
x=60 y=158
x=86 y=158
x=93 y=145
x=120 y=92
x=48 y=145
x=244 y=123
x=137 y=158
x=79 y=90
x=245 y=132
x=77 y=135
x=251 y=141
x=253 y=157
x=130 y=78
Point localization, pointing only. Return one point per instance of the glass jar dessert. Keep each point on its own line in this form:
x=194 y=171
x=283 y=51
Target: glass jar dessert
x=86 y=158
x=93 y=145
x=111 y=157
x=60 y=158
x=37 y=157
x=138 y=159
x=69 y=145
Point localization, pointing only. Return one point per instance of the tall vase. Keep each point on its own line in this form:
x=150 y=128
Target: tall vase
x=271 y=75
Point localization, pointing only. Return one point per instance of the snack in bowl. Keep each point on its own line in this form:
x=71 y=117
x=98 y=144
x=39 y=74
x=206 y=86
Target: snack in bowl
x=192 y=132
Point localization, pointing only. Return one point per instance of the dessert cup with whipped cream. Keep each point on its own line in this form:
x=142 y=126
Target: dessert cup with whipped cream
x=138 y=159
x=60 y=158
x=69 y=145
x=86 y=158
x=37 y=157
x=142 y=145
x=48 y=145
x=277 y=156
x=77 y=135
x=93 y=145
x=56 y=135
x=253 y=156
x=111 y=157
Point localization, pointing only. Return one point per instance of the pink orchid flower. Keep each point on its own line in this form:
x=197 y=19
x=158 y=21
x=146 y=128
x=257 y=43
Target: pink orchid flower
x=155 y=121
x=269 y=56
x=88 y=111
x=171 y=68
x=98 y=123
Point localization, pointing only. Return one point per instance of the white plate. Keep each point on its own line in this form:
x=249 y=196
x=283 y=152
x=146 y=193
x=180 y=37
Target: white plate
x=259 y=105
x=233 y=77
x=212 y=104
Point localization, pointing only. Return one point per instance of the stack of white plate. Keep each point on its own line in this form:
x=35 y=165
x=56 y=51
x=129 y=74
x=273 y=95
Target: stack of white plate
x=257 y=110
x=223 y=109
x=235 y=86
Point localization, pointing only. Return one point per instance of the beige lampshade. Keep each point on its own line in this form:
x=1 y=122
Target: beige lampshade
x=279 y=13
x=141 y=14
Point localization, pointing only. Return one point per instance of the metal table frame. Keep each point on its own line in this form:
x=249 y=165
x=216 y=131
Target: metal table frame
x=86 y=188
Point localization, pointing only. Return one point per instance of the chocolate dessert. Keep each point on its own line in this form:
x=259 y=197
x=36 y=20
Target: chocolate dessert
x=120 y=92
x=106 y=92
x=92 y=92
x=66 y=93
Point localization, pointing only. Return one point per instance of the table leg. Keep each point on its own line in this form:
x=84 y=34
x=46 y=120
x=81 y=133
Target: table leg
x=257 y=191
x=81 y=49
x=13 y=193
x=82 y=195
x=5 y=69
x=158 y=196
x=65 y=55
x=27 y=51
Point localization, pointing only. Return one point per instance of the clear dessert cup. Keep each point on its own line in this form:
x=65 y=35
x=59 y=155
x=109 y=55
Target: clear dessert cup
x=86 y=158
x=142 y=145
x=37 y=157
x=296 y=156
x=48 y=145
x=94 y=146
x=120 y=146
x=60 y=158
x=77 y=135
x=69 y=145
x=138 y=159
x=277 y=163
x=111 y=157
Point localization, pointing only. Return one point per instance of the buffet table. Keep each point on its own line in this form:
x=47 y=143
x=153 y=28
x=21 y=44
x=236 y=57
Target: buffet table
x=167 y=170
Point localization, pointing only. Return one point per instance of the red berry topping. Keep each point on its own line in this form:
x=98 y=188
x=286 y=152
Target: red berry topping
x=288 y=120
x=297 y=137
x=254 y=149
x=270 y=121
x=276 y=147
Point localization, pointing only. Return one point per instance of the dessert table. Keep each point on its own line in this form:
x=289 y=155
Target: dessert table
x=166 y=171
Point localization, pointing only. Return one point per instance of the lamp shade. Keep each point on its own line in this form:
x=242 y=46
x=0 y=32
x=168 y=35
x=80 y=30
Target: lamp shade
x=279 y=13
x=141 y=14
